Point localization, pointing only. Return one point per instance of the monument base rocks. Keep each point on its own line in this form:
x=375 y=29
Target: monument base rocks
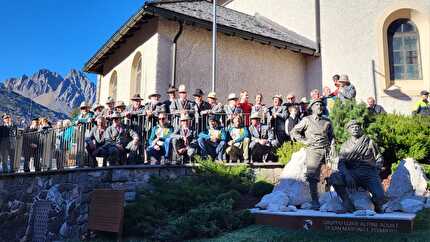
x=287 y=206
x=326 y=221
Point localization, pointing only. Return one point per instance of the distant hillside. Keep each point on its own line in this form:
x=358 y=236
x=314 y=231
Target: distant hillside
x=51 y=90
x=21 y=107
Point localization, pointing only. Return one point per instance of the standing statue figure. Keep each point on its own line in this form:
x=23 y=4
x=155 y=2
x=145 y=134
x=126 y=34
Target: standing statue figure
x=359 y=165
x=316 y=132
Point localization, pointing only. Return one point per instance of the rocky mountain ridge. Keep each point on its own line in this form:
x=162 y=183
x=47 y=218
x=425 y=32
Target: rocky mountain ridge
x=50 y=89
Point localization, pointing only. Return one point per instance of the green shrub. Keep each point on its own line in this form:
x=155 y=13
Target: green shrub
x=345 y=111
x=285 y=152
x=202 y=205
x=261 y=188
x=402 y=136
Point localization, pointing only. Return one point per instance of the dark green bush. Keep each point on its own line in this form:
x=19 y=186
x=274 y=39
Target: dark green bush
x=261 y=188
x=285 y=152
x=202 y=205
x=345 y=111
x=402 y=136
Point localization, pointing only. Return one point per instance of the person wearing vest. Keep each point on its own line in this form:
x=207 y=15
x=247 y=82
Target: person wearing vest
x=110 y=108
x=181 y=105
x=121 y=143
x=260 y=108
x=263 y=140
x=422 y=107
x=276 y=116
x=232 y=109
x=171 y=92
x=151 y=110
x=159 y=141
x=238 y=144
x=85 y=116
x=95 y=141
x=184 y=141
x=212 y=141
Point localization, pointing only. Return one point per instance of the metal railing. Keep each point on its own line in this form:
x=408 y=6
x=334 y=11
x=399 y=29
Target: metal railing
x=65 y=148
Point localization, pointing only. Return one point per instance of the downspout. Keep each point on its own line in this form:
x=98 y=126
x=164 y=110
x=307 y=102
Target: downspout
x=317 y=27
x=99 y=82
x=174 y=52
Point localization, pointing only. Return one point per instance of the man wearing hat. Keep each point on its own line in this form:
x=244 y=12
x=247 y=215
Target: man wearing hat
x=135 y=108
x=7 y=144
x=215 y=107
x=96 y=140
x=184 y=141
x=85 y=116
x=199 y=104
x=238 y=145
x=120 y=108
x=110 y=108
x=422 y=107
x=159 y=140
x=172 y=97
x=316 y=132
x=181 y=105
x=263 y=140
x=121 y=142
x=346 y=89
x=212 y=141
x=97 y=110
x=276 y=116
x=359 y=166
x=151 y=110
x=232 y=108
x=200 y=107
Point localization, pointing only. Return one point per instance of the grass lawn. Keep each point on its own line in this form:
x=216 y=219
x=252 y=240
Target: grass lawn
x=262 y=233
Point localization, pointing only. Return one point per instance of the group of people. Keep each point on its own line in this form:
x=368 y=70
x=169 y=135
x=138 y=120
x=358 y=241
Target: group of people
x=179 y=128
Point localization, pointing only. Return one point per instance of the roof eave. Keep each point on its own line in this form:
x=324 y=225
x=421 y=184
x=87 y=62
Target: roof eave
x=93 y=65
x=232 y=31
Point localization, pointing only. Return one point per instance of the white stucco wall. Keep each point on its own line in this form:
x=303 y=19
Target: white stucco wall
x=296 y=15
x=144 y=41
x=351 y=38
x=242 y=64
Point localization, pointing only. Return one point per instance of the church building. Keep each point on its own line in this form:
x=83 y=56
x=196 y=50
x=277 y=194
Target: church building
x=271 y=46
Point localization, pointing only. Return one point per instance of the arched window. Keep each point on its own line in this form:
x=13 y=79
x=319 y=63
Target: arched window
x=404 y=50
x=136 y=74
x=113 y=85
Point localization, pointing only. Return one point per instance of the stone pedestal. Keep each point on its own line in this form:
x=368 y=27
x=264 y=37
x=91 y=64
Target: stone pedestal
x=325 y=221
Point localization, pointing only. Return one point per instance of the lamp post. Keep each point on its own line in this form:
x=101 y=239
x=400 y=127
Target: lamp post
x=214 y=44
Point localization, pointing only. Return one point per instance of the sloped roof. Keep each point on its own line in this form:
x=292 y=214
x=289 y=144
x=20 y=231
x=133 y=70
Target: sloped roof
x=199 y=13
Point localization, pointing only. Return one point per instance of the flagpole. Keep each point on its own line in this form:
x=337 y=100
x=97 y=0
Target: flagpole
x=214 y=44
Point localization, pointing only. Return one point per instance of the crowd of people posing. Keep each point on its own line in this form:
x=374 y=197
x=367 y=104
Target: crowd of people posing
x=177 y=129
x=180 y=128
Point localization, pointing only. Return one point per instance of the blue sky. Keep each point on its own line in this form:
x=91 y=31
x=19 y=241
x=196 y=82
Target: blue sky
x=56 y=34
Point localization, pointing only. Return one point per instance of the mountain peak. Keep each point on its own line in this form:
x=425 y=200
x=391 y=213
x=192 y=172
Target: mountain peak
x=52 y=90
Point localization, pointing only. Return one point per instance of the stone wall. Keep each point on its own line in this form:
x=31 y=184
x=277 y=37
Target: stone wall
x=69 y=194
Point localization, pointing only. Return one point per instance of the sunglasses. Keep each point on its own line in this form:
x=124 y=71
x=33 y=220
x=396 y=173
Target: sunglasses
x=161 y=118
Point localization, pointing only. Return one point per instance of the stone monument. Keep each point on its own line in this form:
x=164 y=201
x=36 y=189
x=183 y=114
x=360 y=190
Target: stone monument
x=356 y=192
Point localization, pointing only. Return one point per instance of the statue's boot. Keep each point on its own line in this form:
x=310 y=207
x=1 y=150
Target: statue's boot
x=313 y=187
x=346 y=201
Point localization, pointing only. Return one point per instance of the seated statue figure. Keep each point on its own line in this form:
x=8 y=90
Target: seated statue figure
x=359 y=166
